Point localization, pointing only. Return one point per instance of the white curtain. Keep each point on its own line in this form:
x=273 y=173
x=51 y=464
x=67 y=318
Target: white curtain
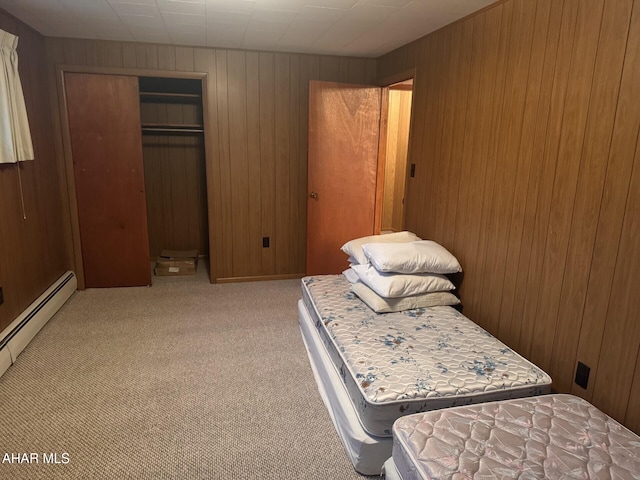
x=15 y=137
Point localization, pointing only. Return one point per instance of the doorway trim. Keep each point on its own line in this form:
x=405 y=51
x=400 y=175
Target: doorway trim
x=386 y=83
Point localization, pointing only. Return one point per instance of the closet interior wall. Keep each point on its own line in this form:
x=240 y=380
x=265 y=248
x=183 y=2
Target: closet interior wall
x=174 y=164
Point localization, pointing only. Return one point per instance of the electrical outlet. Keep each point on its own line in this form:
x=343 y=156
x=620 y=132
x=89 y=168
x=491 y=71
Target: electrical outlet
x=582 y=375
x=265 y=242
x=1 y=296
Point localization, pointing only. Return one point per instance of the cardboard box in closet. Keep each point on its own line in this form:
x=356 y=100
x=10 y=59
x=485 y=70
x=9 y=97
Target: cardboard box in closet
x=177 y=262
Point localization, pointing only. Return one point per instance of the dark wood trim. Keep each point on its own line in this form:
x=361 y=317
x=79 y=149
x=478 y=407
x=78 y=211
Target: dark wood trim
x=409 y=74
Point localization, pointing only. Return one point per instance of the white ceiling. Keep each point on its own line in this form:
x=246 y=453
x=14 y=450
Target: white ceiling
x=337 y=27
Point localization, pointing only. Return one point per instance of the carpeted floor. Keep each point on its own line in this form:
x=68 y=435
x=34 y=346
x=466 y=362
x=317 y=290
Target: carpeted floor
x=182 y=380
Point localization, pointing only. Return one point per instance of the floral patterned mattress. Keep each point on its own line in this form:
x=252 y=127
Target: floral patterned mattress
x=551 y=436
x=395 y=364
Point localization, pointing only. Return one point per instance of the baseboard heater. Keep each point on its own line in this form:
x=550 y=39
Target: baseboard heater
x=16 y=336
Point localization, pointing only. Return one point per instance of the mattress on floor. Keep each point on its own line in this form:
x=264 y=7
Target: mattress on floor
x=551 y=436
x=395 y=364
x=366 y=452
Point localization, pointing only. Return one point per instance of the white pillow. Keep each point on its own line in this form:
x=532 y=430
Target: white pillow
x=353 y=248
x=392 y=285
x=385 y=305
x=424 y=256
x=351 y=275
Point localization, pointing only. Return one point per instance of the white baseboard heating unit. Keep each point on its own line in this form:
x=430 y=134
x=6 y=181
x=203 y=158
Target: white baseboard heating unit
x=17 y=335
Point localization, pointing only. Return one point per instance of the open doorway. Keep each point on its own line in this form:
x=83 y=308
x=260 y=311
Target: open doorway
x=393 y=159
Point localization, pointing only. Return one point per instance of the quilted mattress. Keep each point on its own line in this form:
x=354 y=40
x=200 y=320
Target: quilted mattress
x=395 y=364
x=552 y=436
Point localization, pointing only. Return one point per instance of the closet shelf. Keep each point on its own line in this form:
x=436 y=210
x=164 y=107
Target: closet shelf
x=163 y=97
x=171 y=129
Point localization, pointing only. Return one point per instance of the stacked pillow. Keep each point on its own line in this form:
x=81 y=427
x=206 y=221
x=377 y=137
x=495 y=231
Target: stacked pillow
x=399 y=271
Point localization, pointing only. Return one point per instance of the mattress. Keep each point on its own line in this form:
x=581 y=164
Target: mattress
x=366 y=452
x=395 y=364
x=551 y=436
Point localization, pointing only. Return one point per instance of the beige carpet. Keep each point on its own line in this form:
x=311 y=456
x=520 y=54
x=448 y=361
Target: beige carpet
x=181 y=380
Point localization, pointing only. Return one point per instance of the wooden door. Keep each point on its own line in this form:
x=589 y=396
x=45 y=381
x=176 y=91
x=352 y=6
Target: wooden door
x=344 y=123
x=106 y=145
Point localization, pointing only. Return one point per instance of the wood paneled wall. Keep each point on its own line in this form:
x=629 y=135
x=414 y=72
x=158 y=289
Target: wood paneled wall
x=525 y=136
x=33 y=251
x=257 y=140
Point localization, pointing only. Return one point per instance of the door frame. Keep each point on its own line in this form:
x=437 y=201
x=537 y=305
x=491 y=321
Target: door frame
x=385 y=83
x=74 y=244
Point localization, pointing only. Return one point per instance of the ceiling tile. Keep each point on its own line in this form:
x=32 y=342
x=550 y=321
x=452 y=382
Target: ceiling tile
x=171 y=18
x=298 y=41
x=369 y=13
x=344 y=4
x=134 y=2
x=260 y=39
x=221 y=37
x=322 y=13
x=280 y=5
x=134 y=9
x=301 y=26
x=151 y=35
x=189 y=38
x=270 y=27
x=276 y=16
x=232 y=18
x=82 y=3
x=181 y=28
x=143 y=21
x=237 y=6
x=385 y=3
x=114 y=33
x=193 y=8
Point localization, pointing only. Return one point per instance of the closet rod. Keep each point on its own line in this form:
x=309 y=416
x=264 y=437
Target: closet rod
x=172 y=130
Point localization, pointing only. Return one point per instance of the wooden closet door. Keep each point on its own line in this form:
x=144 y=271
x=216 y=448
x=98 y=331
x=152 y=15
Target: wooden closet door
x=106 y=144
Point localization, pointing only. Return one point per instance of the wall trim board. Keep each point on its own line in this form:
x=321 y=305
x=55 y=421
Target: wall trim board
x=261 y=278
x=60 y=70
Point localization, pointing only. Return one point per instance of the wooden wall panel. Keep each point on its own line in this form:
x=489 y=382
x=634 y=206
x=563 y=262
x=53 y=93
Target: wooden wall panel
x=238 y=164
x=525 y=133
x=526 y=180
x=596 y=146
x=611 y=210
x=33 y=250
x=256 y=151
x=267 y=158
x=253 y=166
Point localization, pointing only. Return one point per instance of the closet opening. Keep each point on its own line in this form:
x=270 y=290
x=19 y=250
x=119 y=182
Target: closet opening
x=171 y=116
